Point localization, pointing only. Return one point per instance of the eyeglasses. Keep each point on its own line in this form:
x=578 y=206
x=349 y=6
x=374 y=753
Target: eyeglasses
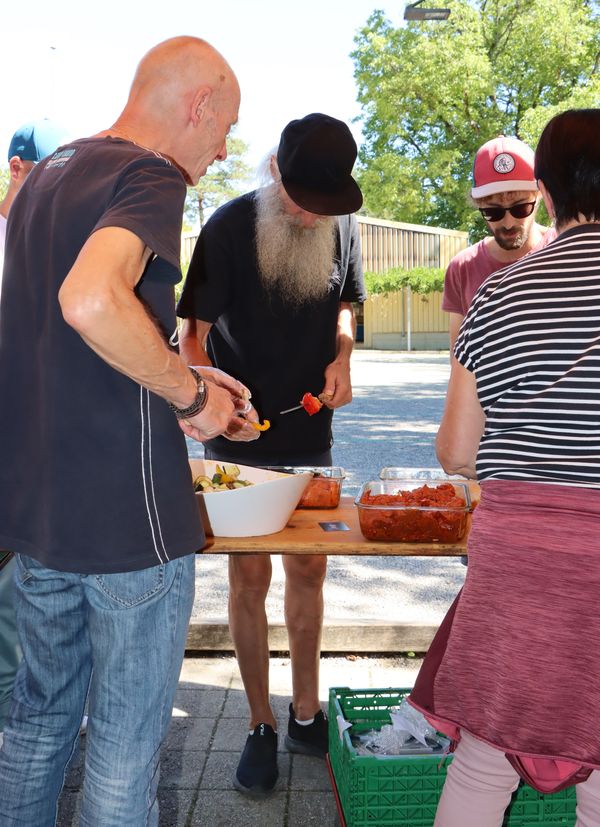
x=494 y=214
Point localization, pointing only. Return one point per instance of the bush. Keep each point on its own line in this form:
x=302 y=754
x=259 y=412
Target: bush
x=420 y=280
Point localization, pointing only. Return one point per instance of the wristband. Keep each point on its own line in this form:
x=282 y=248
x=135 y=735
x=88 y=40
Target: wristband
x=199 y=402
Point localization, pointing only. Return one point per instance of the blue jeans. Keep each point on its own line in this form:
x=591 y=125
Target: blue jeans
x=120 y=637
x=10 y=654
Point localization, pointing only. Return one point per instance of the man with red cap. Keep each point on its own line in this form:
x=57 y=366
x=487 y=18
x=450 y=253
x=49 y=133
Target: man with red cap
x=506 y=193
x=268 y=297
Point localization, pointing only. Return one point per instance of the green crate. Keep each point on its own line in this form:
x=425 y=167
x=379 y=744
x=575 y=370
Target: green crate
x=403 y=791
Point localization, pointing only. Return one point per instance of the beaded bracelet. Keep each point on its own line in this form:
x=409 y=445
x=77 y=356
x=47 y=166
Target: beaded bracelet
x=199 y=402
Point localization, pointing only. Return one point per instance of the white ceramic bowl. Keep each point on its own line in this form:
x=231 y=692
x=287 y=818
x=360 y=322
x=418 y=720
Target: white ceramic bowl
x=261 y=508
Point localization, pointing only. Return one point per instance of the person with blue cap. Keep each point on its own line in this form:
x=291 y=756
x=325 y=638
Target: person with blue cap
x=31 y=143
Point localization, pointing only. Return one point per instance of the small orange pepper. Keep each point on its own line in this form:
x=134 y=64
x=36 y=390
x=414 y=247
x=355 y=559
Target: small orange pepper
x=264 y=427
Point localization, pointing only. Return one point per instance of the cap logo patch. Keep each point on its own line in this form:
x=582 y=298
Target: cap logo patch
x=504 y=163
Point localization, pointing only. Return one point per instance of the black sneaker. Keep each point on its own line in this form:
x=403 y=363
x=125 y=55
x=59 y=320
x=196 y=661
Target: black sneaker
x=308 y=740
x=257 y=771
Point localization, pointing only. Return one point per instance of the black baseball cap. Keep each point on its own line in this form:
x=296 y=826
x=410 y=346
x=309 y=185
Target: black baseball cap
x=315 y=158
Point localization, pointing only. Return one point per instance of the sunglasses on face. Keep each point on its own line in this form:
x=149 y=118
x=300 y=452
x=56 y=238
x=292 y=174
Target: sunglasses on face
x=494 y=214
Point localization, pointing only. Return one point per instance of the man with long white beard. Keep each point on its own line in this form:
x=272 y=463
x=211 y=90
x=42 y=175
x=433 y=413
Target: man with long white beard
x=268 y=298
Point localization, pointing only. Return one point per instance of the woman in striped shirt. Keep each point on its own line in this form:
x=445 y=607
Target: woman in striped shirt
x=513 y=674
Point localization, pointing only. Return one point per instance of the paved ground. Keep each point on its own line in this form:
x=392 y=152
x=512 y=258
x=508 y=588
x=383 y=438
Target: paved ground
x=207 y=734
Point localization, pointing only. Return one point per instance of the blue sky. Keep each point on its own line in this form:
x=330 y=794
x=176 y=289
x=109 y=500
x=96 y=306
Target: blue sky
x=74 y=61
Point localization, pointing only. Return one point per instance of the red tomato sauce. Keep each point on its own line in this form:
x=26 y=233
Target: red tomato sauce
x=408 y=524
x=321 y=493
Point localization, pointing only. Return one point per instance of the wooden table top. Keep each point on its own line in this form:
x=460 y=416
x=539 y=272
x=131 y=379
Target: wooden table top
x=304 y=534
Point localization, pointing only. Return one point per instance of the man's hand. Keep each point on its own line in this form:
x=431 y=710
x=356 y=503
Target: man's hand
x=234 y=398
x=337 y=390
x=215 y=417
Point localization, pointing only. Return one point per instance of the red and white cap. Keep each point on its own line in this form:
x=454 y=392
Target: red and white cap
x=503 y=165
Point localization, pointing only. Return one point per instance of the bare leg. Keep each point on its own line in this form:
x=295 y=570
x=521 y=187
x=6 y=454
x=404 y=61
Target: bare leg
x=304 y=577
x=249 y=580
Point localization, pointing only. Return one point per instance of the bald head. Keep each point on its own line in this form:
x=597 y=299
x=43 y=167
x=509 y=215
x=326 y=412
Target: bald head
x=183 y=101
x=176 y=66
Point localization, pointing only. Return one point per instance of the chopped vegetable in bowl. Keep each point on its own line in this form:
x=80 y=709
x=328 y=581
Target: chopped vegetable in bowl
x=224 y=479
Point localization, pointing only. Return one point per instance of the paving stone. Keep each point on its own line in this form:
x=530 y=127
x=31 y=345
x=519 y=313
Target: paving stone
x=181 y=769
x=74 y=771
x=209 y=673
x=236 y=705
x=221 y=766
x=230 y=735
x=309 y=773
x=175 y=806
x=199 y=703
x=226 y=809
x=69 y=807
x=308 y=809
x=189 y=733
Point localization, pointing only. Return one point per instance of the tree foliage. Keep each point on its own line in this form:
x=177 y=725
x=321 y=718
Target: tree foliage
x=420 y=279
x=4 y=179
x=226 y=180
x=433 y=92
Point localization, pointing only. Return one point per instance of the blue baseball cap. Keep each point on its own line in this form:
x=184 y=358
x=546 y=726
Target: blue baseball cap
x=34 y=141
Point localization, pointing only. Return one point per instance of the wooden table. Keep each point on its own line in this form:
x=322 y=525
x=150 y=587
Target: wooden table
x=304 y=535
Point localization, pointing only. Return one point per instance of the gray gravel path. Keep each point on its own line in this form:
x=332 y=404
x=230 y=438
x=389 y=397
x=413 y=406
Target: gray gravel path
x=398 y=402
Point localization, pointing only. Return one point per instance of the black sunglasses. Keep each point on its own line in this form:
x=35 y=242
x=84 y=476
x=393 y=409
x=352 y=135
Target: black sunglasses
x=494 y=214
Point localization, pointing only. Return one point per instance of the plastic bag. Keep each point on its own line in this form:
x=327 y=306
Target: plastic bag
x=408 y=734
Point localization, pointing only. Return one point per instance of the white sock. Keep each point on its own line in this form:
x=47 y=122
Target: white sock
x=304 y=723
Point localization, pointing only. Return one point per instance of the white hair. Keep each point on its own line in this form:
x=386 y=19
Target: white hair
x=264 y=172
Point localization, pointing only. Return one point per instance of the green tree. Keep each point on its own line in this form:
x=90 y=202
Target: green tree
x=433 y=92
x=226 y=180
x=4 y=179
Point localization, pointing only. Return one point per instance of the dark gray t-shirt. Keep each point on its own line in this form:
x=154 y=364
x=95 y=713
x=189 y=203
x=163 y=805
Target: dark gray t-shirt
x=94 y=476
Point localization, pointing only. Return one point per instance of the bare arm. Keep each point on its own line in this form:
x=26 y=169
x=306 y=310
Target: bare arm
x=454 y=323
x=192 y=341
x=98 y=300
x=462 y=424
x=337 y=390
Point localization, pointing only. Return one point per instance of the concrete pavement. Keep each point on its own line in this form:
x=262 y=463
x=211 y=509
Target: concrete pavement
x=207 y=734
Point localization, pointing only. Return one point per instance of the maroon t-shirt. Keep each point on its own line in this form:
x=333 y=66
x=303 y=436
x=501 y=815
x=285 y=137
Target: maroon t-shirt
x=470 y=268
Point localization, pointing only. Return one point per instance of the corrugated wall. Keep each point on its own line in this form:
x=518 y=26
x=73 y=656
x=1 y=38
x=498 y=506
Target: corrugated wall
x=389 y=244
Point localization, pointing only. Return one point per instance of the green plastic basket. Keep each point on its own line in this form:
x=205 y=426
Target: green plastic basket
x=403 y=791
